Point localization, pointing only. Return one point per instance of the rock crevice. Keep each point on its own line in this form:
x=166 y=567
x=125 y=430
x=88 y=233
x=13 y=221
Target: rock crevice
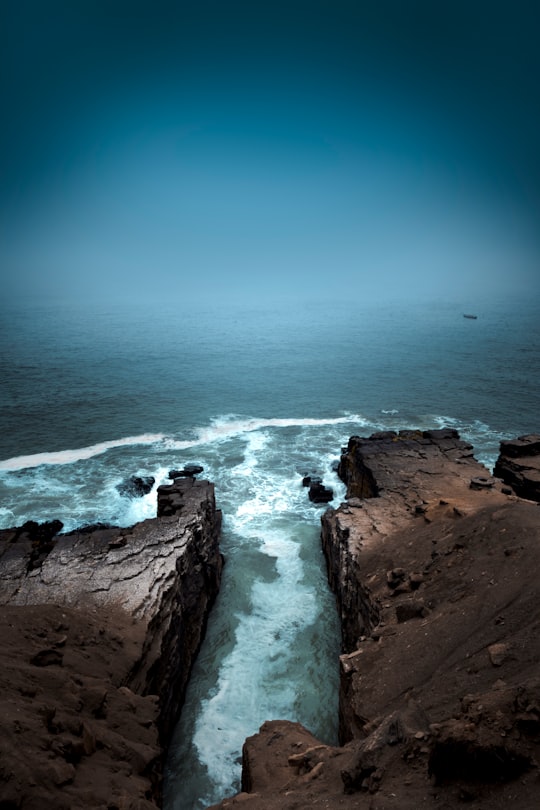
x=431 y=559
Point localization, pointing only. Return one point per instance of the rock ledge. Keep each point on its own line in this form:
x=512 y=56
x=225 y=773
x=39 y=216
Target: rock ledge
x=432 y=560
x=100 y=628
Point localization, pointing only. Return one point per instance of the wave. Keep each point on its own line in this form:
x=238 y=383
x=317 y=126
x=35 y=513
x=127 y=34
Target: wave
x=79 y=454
x=227 y=427
x=220 y=429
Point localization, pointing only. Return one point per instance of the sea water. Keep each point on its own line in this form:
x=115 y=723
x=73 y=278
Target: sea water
x=260 y=395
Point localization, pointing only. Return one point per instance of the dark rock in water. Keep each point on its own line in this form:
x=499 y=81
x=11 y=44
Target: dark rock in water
x=136 y=486
x=188 y=471
x=193 y=469
x=309 y=479
x=519 y=466
x=318 y=493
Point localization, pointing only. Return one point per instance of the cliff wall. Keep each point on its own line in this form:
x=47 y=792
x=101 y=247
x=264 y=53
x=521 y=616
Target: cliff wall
x=432 y=560
x=101 y=627
x=519 y=465
x=393 y=481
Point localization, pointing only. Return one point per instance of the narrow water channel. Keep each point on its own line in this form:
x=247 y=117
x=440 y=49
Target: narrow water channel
x=272 y=644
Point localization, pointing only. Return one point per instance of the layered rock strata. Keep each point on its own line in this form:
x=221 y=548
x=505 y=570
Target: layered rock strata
x=519 y=465
x=433 y=562
x=100 y=628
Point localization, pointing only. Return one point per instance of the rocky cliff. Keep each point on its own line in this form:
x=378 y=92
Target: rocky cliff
x=519 y=465
x=99 y=631
x=433 y=562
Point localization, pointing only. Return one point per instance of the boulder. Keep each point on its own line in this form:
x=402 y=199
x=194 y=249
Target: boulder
x=188 y=471
x=319 y=493
x=310 y=478
x=136 y=486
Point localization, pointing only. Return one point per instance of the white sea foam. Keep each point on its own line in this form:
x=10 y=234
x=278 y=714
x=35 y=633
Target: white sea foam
x=253 y=683
x=80 y=454
x=220 y=429
x=259 y=676
x=228 y=427
x=256 y=443
x=139 y=509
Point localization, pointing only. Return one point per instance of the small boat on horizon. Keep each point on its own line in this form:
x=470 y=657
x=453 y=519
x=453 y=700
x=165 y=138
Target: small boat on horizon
x=472 y=317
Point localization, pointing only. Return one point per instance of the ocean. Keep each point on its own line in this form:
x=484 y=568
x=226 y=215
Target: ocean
x=259 y=395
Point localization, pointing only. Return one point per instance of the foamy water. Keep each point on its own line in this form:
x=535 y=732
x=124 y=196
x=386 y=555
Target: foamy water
x=72 y=456
x=273 y=643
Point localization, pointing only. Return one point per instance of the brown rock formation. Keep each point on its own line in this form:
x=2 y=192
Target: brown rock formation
x=519 y=466
x=433 y=564
x=99 y=632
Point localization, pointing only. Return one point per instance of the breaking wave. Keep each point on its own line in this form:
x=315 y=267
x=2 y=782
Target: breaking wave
x=80 y=454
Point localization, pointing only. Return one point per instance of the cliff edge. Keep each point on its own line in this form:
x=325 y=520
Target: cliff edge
x=99 y=630
x=433 y=561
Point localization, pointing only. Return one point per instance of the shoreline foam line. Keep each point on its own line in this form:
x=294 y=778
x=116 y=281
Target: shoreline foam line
x=80 y=454
x=227 y=427
x=220 y=428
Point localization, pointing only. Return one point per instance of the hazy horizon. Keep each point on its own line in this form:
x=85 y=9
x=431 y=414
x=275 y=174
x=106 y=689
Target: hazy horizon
x=250 y=152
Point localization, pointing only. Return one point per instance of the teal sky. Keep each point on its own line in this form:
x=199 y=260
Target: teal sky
x=246 y=150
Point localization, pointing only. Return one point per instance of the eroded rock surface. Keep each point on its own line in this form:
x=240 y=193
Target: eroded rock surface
x=433 y=562
x=100 y=628
x=519 y=465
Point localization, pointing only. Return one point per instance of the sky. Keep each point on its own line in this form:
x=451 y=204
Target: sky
x=247 y=150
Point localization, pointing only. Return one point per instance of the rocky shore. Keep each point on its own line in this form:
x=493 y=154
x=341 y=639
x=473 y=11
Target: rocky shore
x=433 y=562
x=99 y=631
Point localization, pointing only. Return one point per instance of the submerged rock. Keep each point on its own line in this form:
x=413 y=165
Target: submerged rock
x=188 y=471
x=319 y=493
x=136 y=486
x=310 y=479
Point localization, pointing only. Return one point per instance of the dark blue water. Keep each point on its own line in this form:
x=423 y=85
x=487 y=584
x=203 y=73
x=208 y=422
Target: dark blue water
x=72 y=377
x=259 y=395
